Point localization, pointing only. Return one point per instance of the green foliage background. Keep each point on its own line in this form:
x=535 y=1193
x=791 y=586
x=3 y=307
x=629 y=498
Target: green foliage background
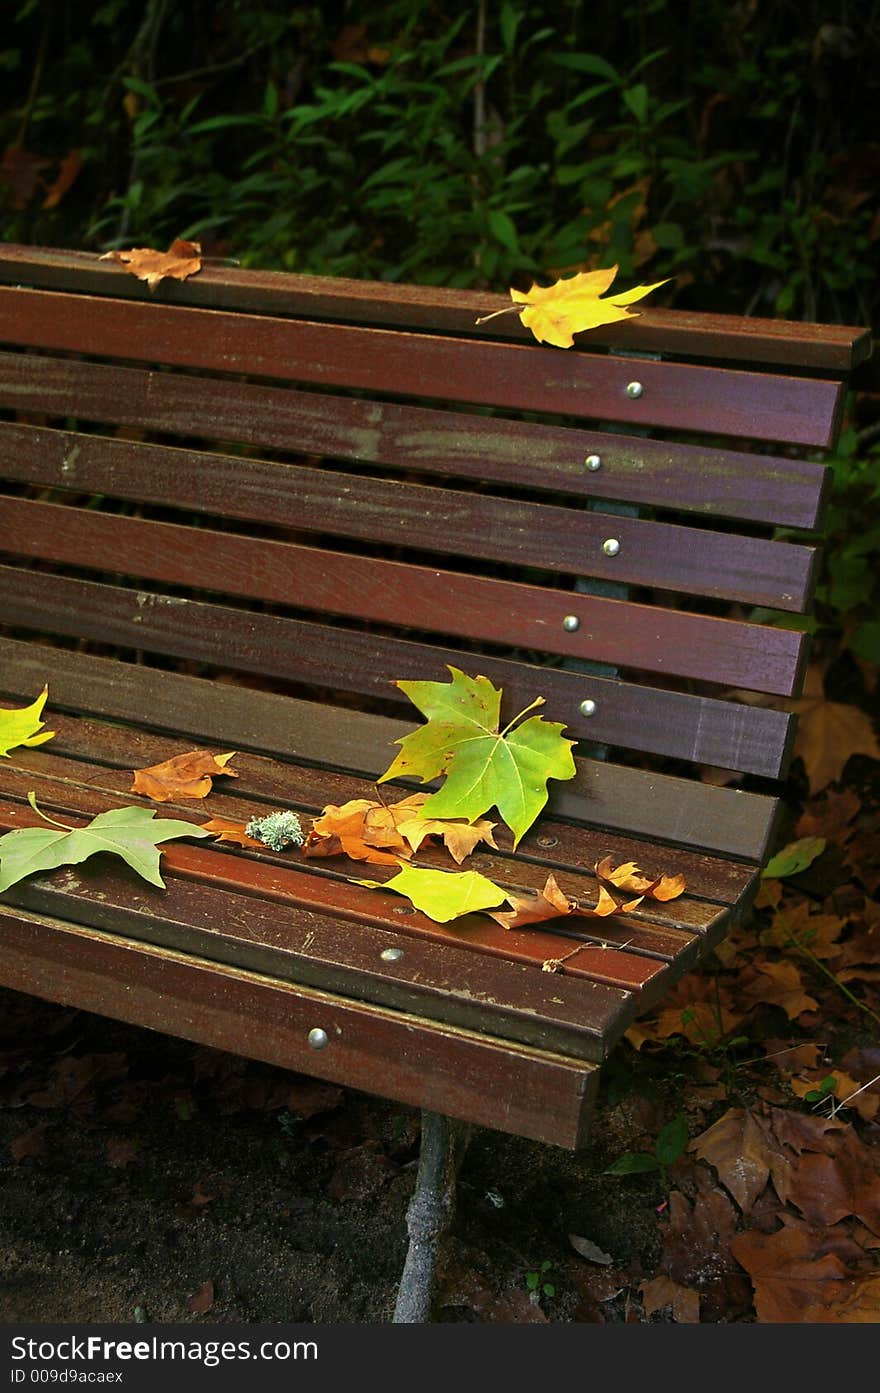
x=731 y=144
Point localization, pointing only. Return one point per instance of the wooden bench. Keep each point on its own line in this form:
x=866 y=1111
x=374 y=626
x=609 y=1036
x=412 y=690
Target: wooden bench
x=233 y=511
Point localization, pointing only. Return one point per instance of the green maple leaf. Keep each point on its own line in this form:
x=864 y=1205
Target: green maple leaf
x=485 y=767
x=20 y=727
x=442 y=895
x=131 y=833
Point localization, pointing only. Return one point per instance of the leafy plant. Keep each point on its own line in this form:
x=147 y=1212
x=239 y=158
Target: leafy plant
x=537 y=1283
x=669 y=1146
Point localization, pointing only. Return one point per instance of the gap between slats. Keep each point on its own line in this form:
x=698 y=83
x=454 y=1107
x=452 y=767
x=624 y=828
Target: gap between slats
x=728 y=401
x=666 y=474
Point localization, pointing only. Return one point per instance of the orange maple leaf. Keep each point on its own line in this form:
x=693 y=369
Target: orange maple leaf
x=226 y=831
x=181 y=260
x=185 y=776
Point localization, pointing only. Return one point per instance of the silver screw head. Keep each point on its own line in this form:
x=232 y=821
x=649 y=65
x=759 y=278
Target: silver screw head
x=318 y=1039
x=588 y=707
x=391 y=955
x=593 y=462
x=611 y=546
x=570 y=623
x=634 y=389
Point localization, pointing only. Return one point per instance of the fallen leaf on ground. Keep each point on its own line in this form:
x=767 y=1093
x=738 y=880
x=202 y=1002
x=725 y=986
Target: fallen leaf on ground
x=548 y=903
x=571 y=305
x=64 y=179
x=339 y=831
x=741 y=1152
x=660 y=1292
x=794 y=857
x=31 y=1143
x=799 y=1276
x=775 y=984
x=225 y=831
x=181 y=260
x=23 y=725
x=185 y=776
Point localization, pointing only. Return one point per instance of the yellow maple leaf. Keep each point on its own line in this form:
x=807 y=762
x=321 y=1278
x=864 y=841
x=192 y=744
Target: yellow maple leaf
x=554 y=313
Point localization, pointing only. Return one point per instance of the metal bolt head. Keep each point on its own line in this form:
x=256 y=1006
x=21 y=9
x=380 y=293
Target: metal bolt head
x=634 y=389
x=611 y=546
x=593 y=462
x=318 y=1039
x=391 y=955
x=570 y=623
x=588 y=707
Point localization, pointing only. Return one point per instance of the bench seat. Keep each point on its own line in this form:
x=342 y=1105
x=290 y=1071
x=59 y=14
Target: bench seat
x=233 y=513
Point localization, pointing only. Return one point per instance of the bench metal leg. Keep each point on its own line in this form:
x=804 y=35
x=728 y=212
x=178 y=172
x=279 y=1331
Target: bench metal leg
x=429 y=1213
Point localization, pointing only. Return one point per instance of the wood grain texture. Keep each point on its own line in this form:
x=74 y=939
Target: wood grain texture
x=729 y=401
x=526 y=454
x=683 y=725
x=446 y=521
x=515 y=1088
x=726 y=652
x=835 y=347
x=610 y=798
x=99 y=754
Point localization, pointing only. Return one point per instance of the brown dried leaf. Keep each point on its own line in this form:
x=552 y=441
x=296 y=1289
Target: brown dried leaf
x=660 y=1292
x=31 y=1143
x=226 y=831
x=799 y=1276
x=629 y=877
x=185 y=776
x=741 y=1152
x=20 y=169
x=549 y=903
x=339 y=831
x=775 y=984
x=181 y=260
x=459 y=838
x=64 y=179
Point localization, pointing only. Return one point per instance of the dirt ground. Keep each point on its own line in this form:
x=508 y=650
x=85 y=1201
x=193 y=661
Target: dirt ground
x=145 y=1178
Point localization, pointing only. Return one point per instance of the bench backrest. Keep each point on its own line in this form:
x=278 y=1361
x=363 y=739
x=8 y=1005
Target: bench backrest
x=321 y=486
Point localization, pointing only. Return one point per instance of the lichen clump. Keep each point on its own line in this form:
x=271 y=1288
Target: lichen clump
x=276 y=830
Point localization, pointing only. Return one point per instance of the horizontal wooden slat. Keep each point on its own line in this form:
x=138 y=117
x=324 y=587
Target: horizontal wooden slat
x=694 y=561
x=729 y=401
x=673 y=933
x=830 y=346
x=610 y=797
x=98 y=751
x=723 y=651
x=444 y=982
x=705 y=730
x=512 y=1087
x=526 y=454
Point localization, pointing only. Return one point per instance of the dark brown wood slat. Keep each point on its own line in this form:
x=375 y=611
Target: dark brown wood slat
x=799 y=411
x=442 y=981
x=517 y=1088
x=712 y=482
x=723 y=651
x=98 y=750
x=706 y=730
x=830 y=346
x=681 y=928
x=610 y=797
x=450 y=522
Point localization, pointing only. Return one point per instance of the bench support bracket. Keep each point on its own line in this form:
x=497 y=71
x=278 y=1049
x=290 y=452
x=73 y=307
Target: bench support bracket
x=429 y=1213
